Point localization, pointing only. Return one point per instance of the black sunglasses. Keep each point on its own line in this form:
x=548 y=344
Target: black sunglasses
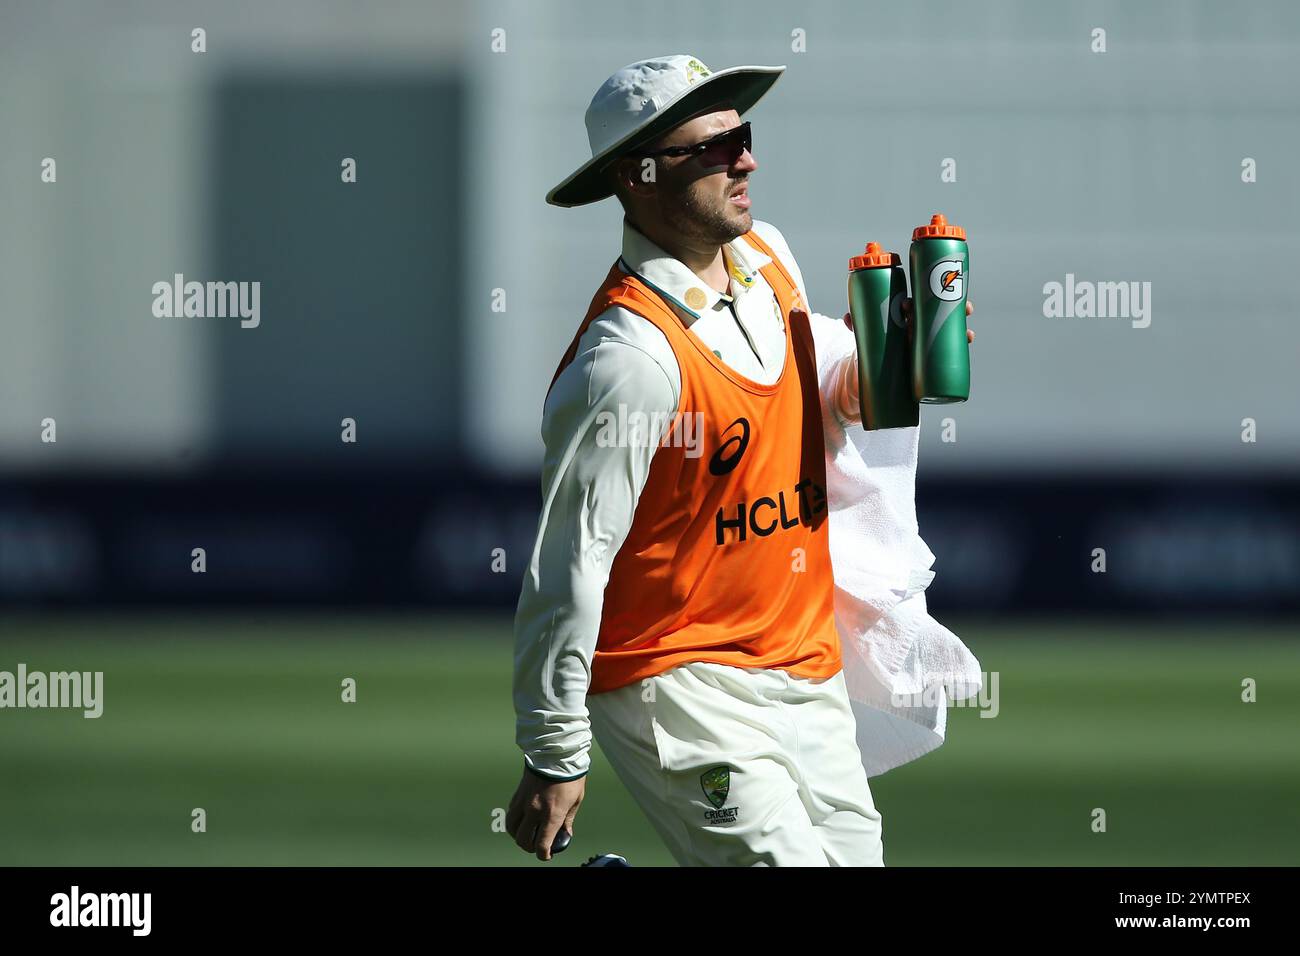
x=721 y=150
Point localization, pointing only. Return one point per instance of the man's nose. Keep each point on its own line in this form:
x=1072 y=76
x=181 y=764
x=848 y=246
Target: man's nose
x=746 y=162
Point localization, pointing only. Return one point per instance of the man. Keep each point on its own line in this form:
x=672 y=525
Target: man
x=680 y=601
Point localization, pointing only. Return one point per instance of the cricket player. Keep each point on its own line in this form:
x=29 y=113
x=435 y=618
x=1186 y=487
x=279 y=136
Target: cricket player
x=679 y=601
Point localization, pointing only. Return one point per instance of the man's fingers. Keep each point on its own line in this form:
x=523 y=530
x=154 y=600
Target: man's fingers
x=546 y=836
x=970 y=336
x=526 y=835
x=514 y=816
x=571 y=816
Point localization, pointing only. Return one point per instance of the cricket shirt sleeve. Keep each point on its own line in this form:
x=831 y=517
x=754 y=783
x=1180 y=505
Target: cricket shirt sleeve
x=596 y=462
x=833 y=341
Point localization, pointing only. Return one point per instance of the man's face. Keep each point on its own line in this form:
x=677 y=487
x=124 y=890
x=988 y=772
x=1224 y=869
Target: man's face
x=705 y=196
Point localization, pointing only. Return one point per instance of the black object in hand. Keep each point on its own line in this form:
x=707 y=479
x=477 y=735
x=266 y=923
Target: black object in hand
x=561 y=841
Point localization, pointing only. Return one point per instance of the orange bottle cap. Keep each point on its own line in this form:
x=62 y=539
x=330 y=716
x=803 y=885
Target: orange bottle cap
x=938 y=229
x=874 y=258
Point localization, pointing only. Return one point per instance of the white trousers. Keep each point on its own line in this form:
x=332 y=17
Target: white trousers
x=743 y=767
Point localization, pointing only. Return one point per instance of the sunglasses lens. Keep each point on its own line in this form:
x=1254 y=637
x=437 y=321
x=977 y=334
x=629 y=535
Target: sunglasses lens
x=727 y=149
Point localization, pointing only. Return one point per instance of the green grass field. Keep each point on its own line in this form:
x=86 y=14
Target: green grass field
x=241 y=715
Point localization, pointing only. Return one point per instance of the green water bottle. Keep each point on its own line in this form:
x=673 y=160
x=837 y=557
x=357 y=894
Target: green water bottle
x=940 y=264
x=877 y=288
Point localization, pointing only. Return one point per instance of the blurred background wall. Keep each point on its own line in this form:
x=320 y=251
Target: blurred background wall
x=377 y=297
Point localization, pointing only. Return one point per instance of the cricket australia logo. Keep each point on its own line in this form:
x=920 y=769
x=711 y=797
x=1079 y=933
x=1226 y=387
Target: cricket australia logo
x=716 y=783
x=695 y=68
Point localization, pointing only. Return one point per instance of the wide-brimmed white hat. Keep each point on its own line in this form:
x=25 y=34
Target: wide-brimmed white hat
x=644 y=100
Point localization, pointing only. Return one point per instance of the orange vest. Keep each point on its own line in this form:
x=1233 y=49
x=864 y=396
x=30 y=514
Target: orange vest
x=727 y=559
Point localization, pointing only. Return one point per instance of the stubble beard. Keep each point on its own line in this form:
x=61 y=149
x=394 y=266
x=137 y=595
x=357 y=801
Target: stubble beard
x=699 y=216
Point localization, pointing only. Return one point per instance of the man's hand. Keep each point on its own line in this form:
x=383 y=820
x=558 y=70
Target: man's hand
x=907 y=314
x=540 y=808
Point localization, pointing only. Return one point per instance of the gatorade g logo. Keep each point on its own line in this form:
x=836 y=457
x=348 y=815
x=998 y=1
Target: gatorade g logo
x=947 y=281
x=720 y=463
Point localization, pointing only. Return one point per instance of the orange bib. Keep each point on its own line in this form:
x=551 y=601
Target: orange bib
x=727 y=559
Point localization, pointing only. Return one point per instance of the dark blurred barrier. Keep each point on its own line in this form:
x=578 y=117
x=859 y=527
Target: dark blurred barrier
x=411 y=539
x=1168 y=545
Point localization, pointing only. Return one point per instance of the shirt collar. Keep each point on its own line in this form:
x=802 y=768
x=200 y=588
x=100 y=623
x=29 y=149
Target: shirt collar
x=672 y=279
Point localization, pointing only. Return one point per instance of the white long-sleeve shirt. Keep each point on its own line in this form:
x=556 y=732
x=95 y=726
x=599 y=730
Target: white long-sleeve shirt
x=590 y=486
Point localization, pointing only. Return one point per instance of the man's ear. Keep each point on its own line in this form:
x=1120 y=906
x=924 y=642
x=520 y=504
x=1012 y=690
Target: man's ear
x=616 y=176
x=634 y=174
x=615 y=172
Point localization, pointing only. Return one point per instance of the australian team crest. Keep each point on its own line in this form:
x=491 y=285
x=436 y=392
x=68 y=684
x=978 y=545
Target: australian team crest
x=717 y=784
x=695 y=68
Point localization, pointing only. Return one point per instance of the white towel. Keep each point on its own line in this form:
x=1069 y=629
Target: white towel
x=892 y=647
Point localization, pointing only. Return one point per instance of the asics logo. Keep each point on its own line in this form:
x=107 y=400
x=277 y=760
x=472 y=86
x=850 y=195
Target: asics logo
x=727 y=457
